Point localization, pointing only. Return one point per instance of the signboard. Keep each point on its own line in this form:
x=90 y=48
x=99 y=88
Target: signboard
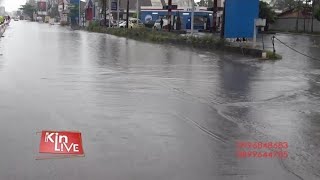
x=170 y=7
x=61 y=142
x=74 y=13
x=240 y=18
x=113 y=6
x=42 y=6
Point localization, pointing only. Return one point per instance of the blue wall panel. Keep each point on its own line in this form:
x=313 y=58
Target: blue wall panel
x=239 y=18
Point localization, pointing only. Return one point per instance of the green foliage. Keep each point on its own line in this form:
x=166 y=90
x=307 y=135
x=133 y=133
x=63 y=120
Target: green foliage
x=94 y=27
x=53 y=11
x=145 y=34
x=28 y=9
x=285 y=4
x=134 y=15
x=316 y=11
x=273 y=56
x=266 y=12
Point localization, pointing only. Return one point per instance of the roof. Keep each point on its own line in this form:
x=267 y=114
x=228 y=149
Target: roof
x=306 y=12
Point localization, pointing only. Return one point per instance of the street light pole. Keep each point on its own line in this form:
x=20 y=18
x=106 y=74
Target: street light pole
x=127 y=23
x=118 y=13
x=109 y=11
x=169 y=14
x=223 y=20
x=192 y=16
x=137 y=10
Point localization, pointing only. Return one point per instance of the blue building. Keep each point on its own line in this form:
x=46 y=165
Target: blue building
x=202 y=17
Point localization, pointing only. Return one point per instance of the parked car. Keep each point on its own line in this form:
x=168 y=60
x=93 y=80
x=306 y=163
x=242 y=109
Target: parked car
x=16 y=19
x=122 y=24
x=133 y=23
x=39 y=19
x=158 y=26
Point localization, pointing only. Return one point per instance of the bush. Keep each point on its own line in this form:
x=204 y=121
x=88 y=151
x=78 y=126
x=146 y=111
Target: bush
x=147 y=34
x=272 y=56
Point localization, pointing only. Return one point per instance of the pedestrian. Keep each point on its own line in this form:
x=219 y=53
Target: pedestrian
x=161 y=23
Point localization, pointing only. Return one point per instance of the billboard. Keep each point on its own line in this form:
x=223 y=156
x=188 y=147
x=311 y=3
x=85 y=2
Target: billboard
x=239 y=18
x=74 y=12
x=42 y=6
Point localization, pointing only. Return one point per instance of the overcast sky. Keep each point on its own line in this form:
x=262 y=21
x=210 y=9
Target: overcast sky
x=12 y=5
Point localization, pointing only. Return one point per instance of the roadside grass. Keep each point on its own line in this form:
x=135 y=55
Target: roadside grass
x=272 y=56
x=207 y=42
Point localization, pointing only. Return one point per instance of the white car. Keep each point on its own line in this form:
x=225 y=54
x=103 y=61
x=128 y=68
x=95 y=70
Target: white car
x=158 y=26
x=133 y=23
x=123 y=24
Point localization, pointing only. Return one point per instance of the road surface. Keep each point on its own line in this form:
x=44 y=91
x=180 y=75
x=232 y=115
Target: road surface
x=150 y=111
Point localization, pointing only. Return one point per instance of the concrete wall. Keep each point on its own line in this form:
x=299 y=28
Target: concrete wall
x=289 y=24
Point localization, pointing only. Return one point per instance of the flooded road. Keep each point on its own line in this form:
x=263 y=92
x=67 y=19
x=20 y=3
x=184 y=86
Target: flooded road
x=150 y=111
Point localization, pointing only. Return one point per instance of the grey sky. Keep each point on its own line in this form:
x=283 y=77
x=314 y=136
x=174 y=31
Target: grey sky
x=12 y=5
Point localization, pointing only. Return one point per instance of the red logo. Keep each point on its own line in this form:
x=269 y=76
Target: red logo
x=61 y=142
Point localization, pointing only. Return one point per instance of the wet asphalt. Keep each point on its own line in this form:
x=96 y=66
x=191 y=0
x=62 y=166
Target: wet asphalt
x=152 y=111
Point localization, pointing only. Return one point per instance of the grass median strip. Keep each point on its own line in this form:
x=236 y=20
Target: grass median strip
x=208 y=42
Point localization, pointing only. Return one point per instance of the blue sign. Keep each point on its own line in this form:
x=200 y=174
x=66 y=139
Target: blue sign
x=113 y=6
x=239 y=18
x=74 y=12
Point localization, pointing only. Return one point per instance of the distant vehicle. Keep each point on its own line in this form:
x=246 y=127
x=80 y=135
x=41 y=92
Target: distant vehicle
x=158 y=26
x=122 y=24
x=133 y=23
x=39 y=19
x=16 y=19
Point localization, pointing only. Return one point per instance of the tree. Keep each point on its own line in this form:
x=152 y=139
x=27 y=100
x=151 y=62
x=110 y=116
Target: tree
x=266 y=12
x=316 y=9
x=284 y=4
x=53 y=11
x=28 y=9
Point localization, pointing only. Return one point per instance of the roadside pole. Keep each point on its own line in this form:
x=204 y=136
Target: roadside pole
x=169 y=14
x=137 y=10
x=223 y=20
x=127 y=23
x=192 y=16
x=109 y=11
x=214 y=16
x=79 y=12
x=254 y=34
x=118 y=13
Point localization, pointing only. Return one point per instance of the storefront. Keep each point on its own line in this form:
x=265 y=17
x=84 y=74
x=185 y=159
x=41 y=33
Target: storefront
x=202 y=17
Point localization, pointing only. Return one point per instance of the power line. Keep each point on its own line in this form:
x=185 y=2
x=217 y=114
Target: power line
x=296 y=50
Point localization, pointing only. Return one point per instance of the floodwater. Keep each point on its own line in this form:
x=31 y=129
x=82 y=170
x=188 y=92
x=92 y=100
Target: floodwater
x=154 y=112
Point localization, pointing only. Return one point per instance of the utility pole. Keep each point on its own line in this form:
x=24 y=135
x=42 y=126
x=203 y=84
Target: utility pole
x=127 y=23
x=214 y=15
x=169 y=14
x=137 y=10
x=105 y=12
x=192 y=16
x=109 y=11
x=223 y=20
x=312 y=14
x=118 y=13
